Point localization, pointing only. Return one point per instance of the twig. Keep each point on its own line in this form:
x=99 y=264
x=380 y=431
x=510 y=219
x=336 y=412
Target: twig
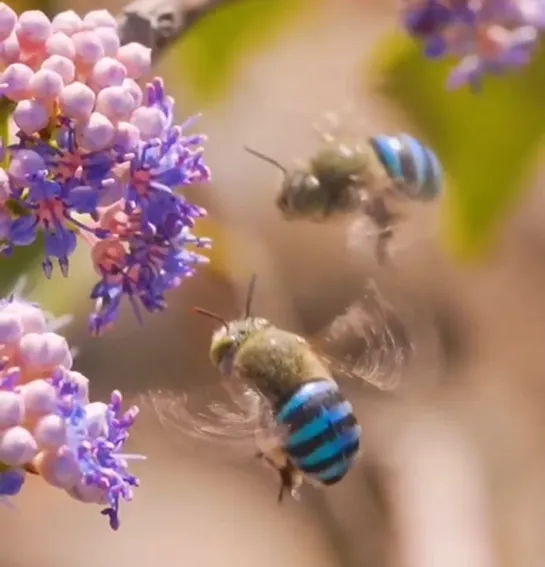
x=159 y=23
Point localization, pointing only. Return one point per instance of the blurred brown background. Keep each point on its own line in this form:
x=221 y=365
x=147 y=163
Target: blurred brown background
x=453 y=471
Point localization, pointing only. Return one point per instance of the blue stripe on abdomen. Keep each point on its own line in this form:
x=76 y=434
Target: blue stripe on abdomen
x=335 y=472
x=331 y=449
x=323 y=434
x=387 y=149
x=320 y=424
x=304 y=393
x=417 y=155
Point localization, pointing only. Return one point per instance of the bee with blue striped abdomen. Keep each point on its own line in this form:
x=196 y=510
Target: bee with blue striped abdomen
x=366 y=178
x=280 y=392
x=318 y=434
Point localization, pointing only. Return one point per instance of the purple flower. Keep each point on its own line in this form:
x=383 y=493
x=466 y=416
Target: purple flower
x=103 y=467
x=11 y=482
x=147 y=266
x=487 y=36
x=91 y=137
x=48 y=425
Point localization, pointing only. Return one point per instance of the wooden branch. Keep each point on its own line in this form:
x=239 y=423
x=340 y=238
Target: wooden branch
x=160 y=23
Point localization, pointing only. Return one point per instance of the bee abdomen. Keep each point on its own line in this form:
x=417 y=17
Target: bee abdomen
x=410 y=162
x=324 y=436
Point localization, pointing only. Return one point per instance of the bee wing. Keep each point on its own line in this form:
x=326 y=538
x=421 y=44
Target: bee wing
x=368 y=342
x=229 y=418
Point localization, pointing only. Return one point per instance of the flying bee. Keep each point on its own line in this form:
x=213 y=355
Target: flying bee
x=283 y=397
x=367 y=179
x=320 y=436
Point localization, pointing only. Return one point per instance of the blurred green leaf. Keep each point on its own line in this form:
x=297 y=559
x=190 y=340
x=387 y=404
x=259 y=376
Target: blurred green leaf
x=6 y=108
x=24 y=261
x=487 y=142
x=72 y=294
x=212 y=52
x=22 y=5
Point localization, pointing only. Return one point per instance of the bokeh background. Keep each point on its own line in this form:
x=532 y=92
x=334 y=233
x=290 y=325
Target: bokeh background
x=453 y=471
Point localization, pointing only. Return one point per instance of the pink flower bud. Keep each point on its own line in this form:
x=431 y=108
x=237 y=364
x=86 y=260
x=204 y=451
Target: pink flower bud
x=50 y=432
x=126 y=136
x=88 y=48
x=58 y=468
x=77 y=101
x=11 y=328
x=97 y=133
x=15 y=81
x=8 y=19
x=61 y=65
x=96 y=419
x=46 y=85
x=99 y=18
x=109 y=39
x=31 y=318
x=67 y=22
x=10 y=51
x=115 y=102
x=39 y=398
x=107 y=72
x=33 y=29
x=136 y=92
x=47 y=350
x=12 y=409
x=150 y=121
x=17 y=446
x=60 y=44
x=23 y=164
x=136 y=58
x=30 y=116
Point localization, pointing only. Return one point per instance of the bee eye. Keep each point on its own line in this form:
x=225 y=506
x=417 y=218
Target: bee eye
x=311 y=182
x=221 y=349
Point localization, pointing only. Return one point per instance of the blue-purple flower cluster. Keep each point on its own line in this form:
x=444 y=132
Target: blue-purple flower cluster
x=97 y=159
x=48 y=427
x=486 y=36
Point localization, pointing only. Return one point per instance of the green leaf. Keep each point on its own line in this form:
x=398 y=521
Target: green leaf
x=6 y=108
x=25 y=261
x=487 y=142
x=212 y=52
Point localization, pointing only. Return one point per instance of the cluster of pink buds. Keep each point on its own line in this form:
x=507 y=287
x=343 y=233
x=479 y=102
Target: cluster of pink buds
x=48 y=427
x=92 y=137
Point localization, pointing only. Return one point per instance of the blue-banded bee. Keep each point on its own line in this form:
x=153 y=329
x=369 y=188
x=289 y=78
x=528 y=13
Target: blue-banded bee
x=366 y=179
x=320 y=436
x=286 y=400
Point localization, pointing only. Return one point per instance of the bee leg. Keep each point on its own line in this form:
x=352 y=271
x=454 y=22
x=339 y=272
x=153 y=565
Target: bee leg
x=288 y=481
x=381 y=247
x=377 y=210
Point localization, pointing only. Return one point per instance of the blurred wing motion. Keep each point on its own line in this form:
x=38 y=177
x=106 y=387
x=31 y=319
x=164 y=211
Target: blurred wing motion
x=229 y=418
x=368 y=342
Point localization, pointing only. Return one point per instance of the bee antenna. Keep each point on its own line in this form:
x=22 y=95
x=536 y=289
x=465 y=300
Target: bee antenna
x=267 y=159
x=211 y=315
x=250 y=296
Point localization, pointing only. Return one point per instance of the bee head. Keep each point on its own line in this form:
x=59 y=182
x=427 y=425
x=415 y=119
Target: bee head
x=228 y=339
x=301 y=196
x=232 y=334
